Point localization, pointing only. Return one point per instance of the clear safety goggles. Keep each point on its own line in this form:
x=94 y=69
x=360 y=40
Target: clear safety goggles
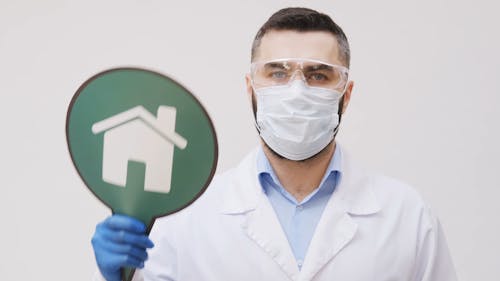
x=314 y=73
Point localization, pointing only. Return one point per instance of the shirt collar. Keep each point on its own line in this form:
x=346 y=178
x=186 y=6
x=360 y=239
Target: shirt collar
x=264 y=167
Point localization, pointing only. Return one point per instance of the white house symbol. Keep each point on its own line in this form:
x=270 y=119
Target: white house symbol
x=136 y=135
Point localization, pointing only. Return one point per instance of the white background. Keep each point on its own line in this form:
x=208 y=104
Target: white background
x=425 y=108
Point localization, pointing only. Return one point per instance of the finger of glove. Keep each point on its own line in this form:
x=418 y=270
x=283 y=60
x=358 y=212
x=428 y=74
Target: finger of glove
x=111 y=264
x=127 y=249
x=124 y=237
x=123 y=222
x=130 y=261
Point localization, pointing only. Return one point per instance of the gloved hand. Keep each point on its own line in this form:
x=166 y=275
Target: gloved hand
x=120 y=241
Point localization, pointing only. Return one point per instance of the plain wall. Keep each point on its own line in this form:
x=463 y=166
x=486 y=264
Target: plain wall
x=425 y=108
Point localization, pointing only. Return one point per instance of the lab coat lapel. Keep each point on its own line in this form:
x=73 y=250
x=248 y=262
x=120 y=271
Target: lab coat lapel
x=263 y=227
x=334 y=231
x=246 y=198
x=353 y=196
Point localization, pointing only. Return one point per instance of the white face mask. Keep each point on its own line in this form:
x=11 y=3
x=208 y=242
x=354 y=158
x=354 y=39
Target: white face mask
x=295 y=120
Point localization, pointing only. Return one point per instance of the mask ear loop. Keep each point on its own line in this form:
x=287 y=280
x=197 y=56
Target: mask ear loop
x=341 y=107
x=254 y=108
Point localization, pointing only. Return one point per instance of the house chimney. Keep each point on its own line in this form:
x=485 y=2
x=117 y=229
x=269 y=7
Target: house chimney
x=166 y=118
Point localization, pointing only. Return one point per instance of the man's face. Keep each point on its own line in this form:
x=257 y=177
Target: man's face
x=317 y=45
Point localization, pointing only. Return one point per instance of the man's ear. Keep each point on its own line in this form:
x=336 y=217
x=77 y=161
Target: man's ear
x=248 y=82
x=347 y=95
x=251 y=96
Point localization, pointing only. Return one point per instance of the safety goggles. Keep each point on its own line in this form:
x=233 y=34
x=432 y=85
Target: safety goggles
x=314 y=73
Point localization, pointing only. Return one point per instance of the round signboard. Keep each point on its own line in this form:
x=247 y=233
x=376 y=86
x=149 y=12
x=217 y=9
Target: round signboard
x=141 y=142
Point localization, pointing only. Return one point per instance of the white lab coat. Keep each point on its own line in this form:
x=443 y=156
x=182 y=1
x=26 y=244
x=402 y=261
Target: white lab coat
x=373 y=228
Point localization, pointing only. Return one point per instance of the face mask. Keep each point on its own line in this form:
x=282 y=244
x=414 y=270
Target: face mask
x=295 y=120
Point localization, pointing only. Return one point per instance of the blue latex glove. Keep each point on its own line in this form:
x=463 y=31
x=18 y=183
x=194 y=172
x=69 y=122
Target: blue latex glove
x=120 y=241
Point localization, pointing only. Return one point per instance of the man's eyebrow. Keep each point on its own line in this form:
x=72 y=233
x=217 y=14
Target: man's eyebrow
x=275 y=65
x=317 y=67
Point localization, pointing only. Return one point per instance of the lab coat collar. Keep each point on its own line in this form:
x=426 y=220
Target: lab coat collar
x=355 y=189
x=243 y=190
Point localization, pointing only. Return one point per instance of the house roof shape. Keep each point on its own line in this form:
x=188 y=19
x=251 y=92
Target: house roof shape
x=139 y=112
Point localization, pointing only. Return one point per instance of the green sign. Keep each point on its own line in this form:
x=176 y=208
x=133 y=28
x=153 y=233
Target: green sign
x=141 y=142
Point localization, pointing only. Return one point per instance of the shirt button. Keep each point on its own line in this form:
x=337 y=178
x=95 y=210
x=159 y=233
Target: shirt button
x=299 y=263
x=300 y=207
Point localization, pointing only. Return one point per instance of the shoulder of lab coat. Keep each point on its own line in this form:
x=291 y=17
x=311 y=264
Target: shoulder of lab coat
x=432 y=261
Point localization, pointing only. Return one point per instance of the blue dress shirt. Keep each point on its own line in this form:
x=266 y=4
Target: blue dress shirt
x=298 y=219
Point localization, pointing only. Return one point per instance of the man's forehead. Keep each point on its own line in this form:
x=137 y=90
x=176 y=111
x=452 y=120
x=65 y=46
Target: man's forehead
x=318 y=45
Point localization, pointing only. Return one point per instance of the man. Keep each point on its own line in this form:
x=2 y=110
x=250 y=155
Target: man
x=296 y=208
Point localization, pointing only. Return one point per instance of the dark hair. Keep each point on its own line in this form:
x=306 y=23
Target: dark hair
x=304 y=19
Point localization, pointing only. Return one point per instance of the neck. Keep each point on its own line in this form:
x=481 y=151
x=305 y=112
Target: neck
x=300 y=178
